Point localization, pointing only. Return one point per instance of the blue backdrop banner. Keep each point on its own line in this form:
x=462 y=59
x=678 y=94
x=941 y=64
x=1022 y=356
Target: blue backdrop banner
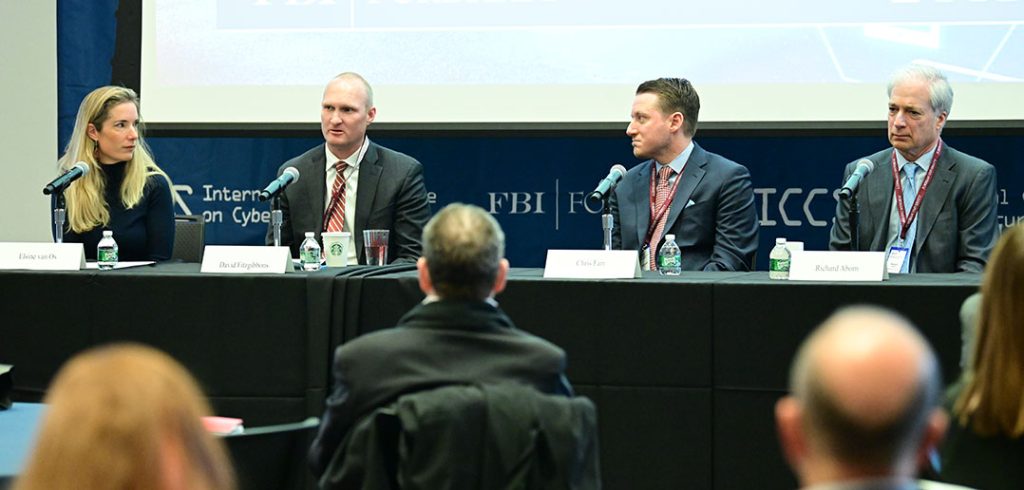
x=535 y=185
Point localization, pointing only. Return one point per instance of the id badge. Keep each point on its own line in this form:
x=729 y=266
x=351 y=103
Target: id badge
x=645 y=259
x=897 y=256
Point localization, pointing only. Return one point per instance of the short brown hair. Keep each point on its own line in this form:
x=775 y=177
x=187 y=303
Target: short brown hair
x=675 y=95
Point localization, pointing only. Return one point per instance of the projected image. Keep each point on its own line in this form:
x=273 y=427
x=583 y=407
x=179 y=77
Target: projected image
x=578 y=43
x=584 y=41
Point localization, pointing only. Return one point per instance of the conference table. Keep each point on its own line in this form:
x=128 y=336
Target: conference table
x=684 y=370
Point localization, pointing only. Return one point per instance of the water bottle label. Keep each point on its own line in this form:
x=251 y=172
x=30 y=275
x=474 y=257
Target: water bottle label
x=779 y=265
x=309 y=256
x=669 y=261
x=106 y=255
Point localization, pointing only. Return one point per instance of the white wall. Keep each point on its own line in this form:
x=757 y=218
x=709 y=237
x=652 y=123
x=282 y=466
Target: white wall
x=28 y=125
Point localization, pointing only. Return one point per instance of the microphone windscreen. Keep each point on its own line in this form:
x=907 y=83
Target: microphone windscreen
x=294 y=172
x=84 y=167
x=620 y=168
x=864 y=162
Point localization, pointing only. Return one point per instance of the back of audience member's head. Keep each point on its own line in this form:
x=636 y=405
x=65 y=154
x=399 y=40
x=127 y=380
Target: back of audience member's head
x=864 y=393
x=992 y=399
x=463 y=251
x=125 y=416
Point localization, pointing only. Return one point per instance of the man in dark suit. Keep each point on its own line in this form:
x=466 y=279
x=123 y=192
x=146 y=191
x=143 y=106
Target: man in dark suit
x=705 y=200
x=458 y=335
x=863 y=410
x=955 y=227
x=378 y=188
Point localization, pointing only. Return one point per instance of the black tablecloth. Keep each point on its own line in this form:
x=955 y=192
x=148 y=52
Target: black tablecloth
x=684 y=370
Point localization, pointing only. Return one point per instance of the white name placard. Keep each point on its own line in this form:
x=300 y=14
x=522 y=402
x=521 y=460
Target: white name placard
x=837 y=266
x=36 y=256
x=246 y=260
x=592 y=264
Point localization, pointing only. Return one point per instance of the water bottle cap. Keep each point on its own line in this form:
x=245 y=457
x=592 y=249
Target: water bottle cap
x=780 y=241
x=108 y=233
x=310 y=234
x=670 y=238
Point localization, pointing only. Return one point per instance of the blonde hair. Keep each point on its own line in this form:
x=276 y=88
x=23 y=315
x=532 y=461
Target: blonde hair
x=125 y=416
x=992 y=398
x=86 y=205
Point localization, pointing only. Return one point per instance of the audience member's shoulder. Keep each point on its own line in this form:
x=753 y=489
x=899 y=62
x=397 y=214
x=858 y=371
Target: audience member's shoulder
x=541 y=344
x=388 y=338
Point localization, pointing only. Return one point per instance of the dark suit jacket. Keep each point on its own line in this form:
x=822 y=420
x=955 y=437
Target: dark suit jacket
x=956 y=226
x=718 y=232
x=436 y=344
x=391 y=196
x=504 y=436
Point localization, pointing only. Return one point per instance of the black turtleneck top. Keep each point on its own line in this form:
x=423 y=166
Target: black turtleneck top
x=145 y=232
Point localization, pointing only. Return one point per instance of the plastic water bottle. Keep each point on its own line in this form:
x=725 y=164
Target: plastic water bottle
x=309 y=253
x=779 y=260
x=106 y=251
x=670 y=258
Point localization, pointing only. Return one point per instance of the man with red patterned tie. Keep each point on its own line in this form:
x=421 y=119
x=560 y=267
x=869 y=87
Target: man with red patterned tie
x=705 y=200
x=352 y=184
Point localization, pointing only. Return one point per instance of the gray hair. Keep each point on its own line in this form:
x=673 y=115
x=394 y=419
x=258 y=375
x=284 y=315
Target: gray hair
x=940 y=92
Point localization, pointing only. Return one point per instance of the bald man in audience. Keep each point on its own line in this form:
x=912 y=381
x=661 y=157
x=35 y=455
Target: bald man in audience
x=863 y=410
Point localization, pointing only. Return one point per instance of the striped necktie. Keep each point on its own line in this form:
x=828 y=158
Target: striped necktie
x=337 y=207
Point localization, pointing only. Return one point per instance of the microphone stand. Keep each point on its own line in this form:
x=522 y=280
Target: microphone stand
x=854 y=220
x=607 y=222
x=59 y=215
x=276 y=219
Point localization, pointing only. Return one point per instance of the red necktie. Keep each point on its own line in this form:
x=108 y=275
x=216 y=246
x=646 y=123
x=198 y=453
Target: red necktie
x=336 y=210
x=661 y=192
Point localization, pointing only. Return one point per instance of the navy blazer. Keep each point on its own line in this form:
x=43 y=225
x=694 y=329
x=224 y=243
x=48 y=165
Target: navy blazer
x=712 y=215
x=390 y=196
x=956 y=225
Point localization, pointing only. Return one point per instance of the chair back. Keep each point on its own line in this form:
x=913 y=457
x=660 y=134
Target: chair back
x=272 y=457
x=492 y=437
x=189 y=238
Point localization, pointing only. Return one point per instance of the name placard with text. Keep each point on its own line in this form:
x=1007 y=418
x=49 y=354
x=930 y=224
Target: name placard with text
x=592 y=264
x=837 y=266
x=39 y=256
x=233 y=259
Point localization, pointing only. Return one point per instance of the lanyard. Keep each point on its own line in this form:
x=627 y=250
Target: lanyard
x=906 y=220
x=656 y=214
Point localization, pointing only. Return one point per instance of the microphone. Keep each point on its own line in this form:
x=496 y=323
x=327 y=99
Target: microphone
x=60 y=183
x=608 y=183
x=864 y=167
x=290 y=175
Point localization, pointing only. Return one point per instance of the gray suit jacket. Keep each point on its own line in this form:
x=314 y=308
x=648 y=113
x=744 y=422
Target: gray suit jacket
x=712 y=214
x=390 y=196
x=956 y=226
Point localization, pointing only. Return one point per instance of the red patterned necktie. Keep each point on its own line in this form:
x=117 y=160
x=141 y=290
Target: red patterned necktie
x=337 y=207
x=660 y=196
